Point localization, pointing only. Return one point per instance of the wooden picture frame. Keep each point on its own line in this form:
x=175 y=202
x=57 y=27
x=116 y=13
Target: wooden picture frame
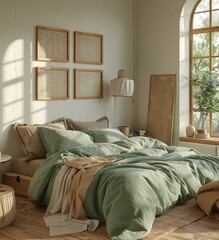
x=52 y=83
x=52 y=44
x=161 y=107
x=88 y=83
x=88 y=48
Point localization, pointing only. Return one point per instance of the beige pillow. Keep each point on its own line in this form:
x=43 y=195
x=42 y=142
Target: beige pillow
x=98 y=124
x=29 y=137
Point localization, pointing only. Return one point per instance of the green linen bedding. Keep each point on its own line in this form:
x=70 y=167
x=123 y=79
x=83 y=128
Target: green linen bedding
x=148 y=179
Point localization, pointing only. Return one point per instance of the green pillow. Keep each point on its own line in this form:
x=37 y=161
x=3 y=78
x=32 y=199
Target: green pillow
x=55 y=140
x=107 y=135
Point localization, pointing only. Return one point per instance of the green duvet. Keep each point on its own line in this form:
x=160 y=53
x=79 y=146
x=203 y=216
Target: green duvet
x=148 y=179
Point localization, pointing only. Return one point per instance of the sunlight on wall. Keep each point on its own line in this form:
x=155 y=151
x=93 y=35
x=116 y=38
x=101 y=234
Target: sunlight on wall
x=38 y=108
x=184 y=66
x=183 y=36
x=184 y=72
x=13 y=61
x=17 y=85
x=38 y=112
x=12 y=102
x=12 y=82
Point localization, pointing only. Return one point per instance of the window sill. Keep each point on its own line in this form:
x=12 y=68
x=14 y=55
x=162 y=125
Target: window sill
x=211 y=140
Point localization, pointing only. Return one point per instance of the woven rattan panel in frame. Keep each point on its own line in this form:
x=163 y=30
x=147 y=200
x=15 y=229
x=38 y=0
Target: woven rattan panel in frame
x=88 y=48
x=161 y=107
x=52 y=44
x=88 y=83
x=52 y=83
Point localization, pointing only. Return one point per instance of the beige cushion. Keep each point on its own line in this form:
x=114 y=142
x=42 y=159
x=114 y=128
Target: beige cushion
x=24 y=167
x=29 y=137
x=98 y=124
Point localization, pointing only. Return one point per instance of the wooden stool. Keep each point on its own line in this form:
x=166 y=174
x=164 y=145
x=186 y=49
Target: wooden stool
x=7 y=205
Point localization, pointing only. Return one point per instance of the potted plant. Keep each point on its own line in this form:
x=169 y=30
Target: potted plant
x=206 y=98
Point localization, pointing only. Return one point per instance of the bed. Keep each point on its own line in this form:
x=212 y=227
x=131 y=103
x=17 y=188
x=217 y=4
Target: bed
x=32 y=153
x=100 y=175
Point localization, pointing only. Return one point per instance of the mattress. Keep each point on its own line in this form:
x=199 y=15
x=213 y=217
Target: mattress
x=22 y=166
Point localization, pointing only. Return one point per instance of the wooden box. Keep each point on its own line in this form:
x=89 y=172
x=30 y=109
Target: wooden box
x=20 y=183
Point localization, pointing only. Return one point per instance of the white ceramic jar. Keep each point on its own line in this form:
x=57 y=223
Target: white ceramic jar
x=190 y=131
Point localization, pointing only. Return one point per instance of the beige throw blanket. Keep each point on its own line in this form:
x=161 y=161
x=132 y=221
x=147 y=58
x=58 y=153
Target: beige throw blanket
x=207 y=199
x=65 y=213
x=86 y=169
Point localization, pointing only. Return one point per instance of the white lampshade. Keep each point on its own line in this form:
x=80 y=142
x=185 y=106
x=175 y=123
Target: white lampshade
x=121 y=86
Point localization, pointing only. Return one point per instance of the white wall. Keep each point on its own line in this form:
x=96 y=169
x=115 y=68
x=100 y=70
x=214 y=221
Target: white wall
x=18 y=18
x=159 y=42
x=156 y=51
x=184 y=66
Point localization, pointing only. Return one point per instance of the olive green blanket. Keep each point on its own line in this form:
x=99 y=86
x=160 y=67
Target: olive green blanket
x=148 y=179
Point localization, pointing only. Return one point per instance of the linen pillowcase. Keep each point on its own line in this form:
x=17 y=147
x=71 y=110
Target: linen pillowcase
x=29 y=138
x=55 y=140
x=98 y=124
x=105 y=135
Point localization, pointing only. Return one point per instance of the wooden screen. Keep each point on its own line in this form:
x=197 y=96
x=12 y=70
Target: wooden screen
x=161 y=107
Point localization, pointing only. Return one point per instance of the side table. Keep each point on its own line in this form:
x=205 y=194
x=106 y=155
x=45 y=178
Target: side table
x=4 y=158
x=7 y=205
x=5 y=165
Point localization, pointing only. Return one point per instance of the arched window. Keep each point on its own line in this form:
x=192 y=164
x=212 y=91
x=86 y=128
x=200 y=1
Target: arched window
x=204 y=60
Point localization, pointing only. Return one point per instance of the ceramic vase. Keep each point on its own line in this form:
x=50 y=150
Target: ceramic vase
x=190 y=131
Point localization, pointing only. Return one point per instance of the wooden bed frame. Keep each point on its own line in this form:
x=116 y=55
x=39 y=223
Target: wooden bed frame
x=175 y=220
x=19 y=182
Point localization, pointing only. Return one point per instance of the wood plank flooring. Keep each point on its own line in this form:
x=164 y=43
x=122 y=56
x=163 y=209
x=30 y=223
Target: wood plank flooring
x=29 y=224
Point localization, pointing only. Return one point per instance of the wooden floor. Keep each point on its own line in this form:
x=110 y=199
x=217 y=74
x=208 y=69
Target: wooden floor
x=29 y=224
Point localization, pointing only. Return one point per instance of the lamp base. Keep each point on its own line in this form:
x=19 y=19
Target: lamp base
x=124 y=130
